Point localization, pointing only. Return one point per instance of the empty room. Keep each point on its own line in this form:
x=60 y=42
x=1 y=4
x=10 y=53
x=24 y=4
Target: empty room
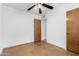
x=39 y=29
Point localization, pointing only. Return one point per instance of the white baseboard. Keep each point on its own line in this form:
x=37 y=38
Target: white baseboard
x=1 y=49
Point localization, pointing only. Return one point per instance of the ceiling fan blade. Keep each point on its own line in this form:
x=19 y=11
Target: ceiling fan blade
x=40 y=11
x=47 y=6
x=31 y=7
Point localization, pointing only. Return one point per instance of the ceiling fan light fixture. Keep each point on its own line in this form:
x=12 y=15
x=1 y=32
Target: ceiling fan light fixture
x=39 y=6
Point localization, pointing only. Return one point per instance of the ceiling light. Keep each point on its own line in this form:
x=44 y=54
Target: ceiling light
x=39 y=6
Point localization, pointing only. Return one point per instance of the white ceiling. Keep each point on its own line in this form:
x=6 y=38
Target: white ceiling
x=25 y=6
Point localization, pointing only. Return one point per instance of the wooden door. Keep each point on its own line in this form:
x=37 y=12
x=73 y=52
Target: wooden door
x=73 y=30
x=37 y=30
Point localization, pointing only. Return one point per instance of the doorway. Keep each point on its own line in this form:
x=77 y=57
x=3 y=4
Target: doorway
x=37 y=30
x=73 y=30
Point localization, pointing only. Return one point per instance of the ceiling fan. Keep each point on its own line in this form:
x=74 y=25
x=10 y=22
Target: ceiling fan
x=41 y=4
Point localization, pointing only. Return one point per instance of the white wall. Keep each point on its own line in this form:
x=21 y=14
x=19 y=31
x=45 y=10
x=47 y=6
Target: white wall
x=43 y=31
x=0 y=20
x=0 y=27
x=18 y=27
x=56 y=24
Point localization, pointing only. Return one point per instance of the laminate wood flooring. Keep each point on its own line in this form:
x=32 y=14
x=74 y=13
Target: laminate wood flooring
x=36 y=49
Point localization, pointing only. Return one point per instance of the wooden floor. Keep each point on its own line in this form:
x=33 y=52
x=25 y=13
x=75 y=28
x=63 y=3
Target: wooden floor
x=32 y=49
